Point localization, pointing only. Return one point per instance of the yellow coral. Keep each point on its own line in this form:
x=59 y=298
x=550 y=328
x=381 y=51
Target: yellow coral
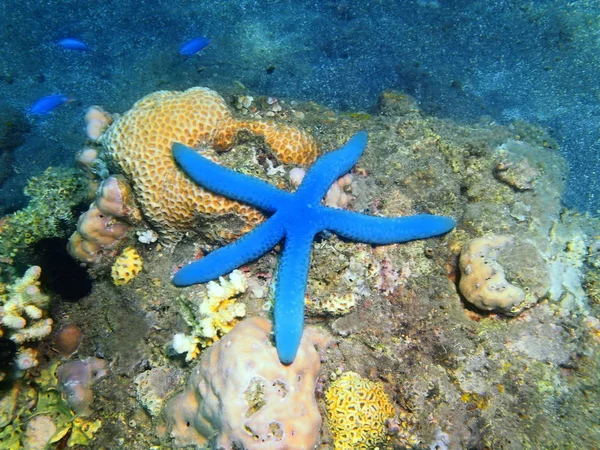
x=357 y=409
x=127 y=266
x=139 y=144
x=335 y=304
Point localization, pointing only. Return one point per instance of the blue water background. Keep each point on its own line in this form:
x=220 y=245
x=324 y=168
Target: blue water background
x=532 y=60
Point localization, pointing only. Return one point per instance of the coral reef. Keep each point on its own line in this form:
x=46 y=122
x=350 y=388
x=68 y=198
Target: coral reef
x=213 y=315
x=357 y=410
x=127 y=266
x=457 y=376
x=23 y=311
x=241 y=396
x=138 y=144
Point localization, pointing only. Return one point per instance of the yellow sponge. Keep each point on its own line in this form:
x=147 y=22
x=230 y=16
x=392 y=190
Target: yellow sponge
x=127 y=266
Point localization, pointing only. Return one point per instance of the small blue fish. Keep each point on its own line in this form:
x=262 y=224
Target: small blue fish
x=193 y=46
x=46 y=104
x=73 y=44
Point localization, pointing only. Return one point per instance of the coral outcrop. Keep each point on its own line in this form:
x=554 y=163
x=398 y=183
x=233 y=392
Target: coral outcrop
x=241 y=396
x=457 y=377
x=138 y=145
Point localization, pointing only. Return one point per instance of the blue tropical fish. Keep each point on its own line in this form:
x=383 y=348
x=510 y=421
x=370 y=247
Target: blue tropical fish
x=193 y=46
x=46 y=104
x=73 y=44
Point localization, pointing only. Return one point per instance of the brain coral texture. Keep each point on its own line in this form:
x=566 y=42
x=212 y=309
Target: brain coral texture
x=139 y=144
x=357 y=409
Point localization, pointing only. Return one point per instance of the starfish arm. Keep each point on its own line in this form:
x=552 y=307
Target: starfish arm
x=289 y=293
x=250 y=246
x=228 y=183
x=331 y=166
x=383 y=230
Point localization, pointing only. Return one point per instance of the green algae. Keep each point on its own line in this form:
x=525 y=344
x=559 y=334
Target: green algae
x=40 y=397
x=49 y=213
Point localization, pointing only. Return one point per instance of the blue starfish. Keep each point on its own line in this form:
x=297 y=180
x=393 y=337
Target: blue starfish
x=297 y=217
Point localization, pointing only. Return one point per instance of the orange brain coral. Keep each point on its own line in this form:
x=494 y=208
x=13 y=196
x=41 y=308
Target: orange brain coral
x=139 y=144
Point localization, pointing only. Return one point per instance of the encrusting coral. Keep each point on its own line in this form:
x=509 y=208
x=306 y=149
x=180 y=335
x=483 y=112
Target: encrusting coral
x=23 y=310
x=241 y=396
x=357 y=410
x=138 y=144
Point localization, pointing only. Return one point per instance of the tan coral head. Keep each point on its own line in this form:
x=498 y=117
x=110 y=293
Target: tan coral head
x=482 y=281
x=139 y=143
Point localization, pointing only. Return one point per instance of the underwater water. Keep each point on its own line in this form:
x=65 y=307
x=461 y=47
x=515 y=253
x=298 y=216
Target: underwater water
x=485 y=112
x=505 y=60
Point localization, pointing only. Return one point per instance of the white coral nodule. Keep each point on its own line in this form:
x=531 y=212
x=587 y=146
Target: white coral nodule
x=183 y=343
x=216 y=315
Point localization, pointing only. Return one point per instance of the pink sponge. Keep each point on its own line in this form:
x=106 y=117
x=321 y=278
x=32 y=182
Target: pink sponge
x=104 y=225
x=241 y=396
